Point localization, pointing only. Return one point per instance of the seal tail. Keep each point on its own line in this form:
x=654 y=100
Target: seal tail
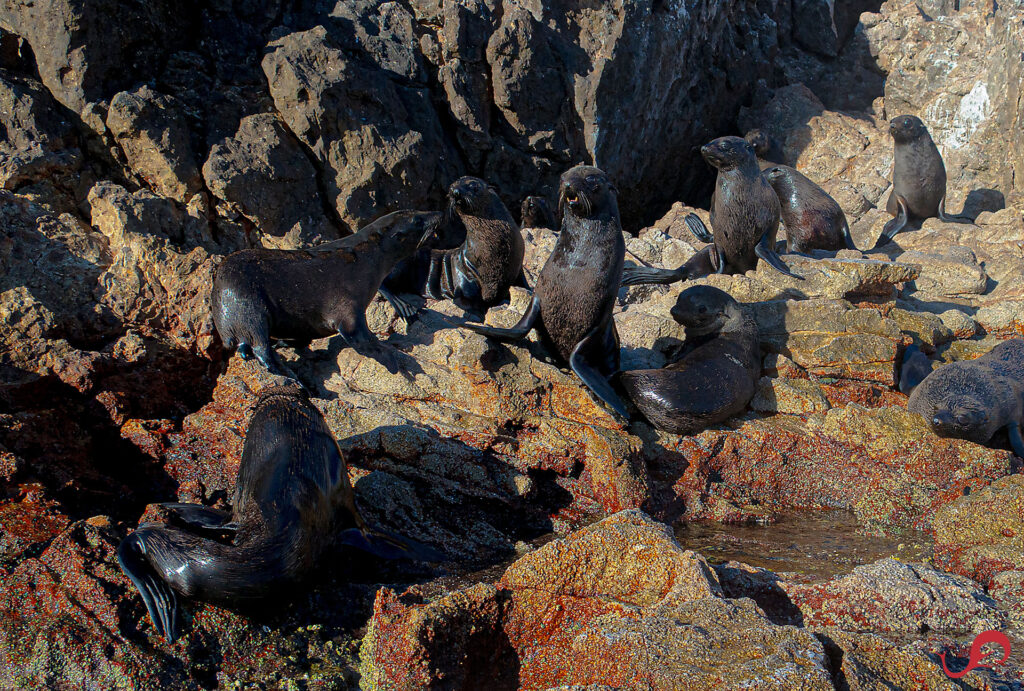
x=388 y=545
x=697 y=227
x=646 y=275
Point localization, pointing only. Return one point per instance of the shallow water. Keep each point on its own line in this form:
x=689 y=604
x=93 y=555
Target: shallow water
x=818 y=544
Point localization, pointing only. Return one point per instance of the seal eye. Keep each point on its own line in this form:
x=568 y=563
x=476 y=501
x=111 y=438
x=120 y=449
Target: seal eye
x=702 y=309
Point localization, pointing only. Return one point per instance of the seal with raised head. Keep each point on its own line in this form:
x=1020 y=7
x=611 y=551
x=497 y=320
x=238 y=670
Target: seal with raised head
x=745 y=215
x=575 y=293
x=717 y=373
x=535 y=213
x=813 y=219
x=292 y=502
x=918 y=178
x=478 y=274
x=262 y=295
x=974 y=399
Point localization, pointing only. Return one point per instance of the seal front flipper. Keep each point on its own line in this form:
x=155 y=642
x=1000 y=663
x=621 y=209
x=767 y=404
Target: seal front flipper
x=405 y=310
x=357 y=335
x=521 y=281
x=847 y=237
x=161 y=602
x=895 y=225
x=202 y=520
x=594 y=380
x=388 y=545
x=950 y=218
x=764 y=251
x=697 y=227
x=647 y=275
x=1016 y=440
x=517 y=331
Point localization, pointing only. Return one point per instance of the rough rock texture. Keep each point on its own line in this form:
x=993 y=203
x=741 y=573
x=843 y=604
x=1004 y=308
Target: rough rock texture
x=144 y=141
x=892 y=597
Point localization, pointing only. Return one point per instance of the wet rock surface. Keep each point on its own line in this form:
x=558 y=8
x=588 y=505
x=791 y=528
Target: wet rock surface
x=146 y=141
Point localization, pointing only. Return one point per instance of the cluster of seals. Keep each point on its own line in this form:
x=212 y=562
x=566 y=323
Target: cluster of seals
x=575 y=292
x=262 y=295
x=745 y=214
x=292 y=502
x=535 y=213
x=813 y=219
x=478 y=273
x=975 y=399
x=717 y=373
x=918 y=178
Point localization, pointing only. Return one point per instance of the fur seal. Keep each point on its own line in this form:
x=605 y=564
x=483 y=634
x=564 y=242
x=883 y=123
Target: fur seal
x=813 y=219
x=974 y=399
x=745 y=215
x=260 y=295
x=576 y=290
x=292 y=502
x=918 y=178
x=535 y=213
x=717 y=374
x=478 y=274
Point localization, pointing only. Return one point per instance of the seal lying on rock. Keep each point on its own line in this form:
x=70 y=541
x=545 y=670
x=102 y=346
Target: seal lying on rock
x=813 y=219
x=717 y=375
x=572 y=303
x=535 y=213
x=260 y=295
x=292 y=502
x=478 y=274
x=918 y=178
x=745 y=215
x=974 y=399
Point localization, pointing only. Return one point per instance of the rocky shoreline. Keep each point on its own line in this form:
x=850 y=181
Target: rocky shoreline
x=143 y=144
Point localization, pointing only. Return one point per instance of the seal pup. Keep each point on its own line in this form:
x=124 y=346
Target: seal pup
x=292 y=502
x=535 y=213
x=717 y=374
x=260 y=295
x=918 y=178
x=745 y=214
x=813 y=219
x=974 y=399
x=575 y=294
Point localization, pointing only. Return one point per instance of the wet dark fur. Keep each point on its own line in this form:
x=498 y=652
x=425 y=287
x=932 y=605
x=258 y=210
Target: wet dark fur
x=717 y=375
x=918 y=175
x=478 y=274
x=745 y=215
x=745 y=206
x=575 y=293
x=814 y=221
x=535 y=213
x=261 y=295
x=976 y=398
x=292 y=498
x=580 y=280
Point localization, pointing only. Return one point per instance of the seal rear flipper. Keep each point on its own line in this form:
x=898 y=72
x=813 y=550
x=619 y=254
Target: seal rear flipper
x=950 y=218
x=895 y=225
x=1016 y=440
x=514 y=333
x=593 y=379
x=406 y=310
x=697 y=227
x=160 y=600
x=647 y=275
x=765 y=251
x=387 y=545
x=521 y=281
x=916 y=366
